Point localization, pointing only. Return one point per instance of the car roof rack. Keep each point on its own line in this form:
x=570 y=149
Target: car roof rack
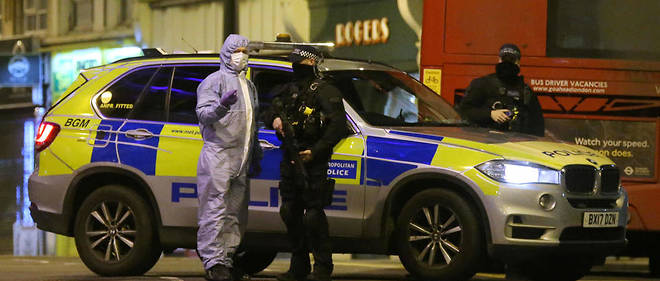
x=256 y=46
x=153 y=52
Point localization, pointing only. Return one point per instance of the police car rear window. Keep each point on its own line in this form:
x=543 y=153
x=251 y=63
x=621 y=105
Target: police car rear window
x=183 y=97
x=151 y=103
x=119 y=99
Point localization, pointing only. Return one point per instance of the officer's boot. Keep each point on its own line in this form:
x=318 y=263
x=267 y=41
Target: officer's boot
x=321 y=273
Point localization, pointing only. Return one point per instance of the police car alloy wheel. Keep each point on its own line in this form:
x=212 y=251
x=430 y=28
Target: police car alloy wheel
x=115 y=233
x=439 y=236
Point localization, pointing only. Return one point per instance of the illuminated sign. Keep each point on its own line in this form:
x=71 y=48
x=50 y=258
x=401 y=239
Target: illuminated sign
x=67 y=65
x=19 y=69
x=362 y=32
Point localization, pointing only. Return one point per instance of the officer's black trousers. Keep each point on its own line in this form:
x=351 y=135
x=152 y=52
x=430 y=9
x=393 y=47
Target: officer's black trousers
x=305 y=220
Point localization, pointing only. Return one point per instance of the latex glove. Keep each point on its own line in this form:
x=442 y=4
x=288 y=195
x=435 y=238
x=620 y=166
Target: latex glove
x=228 y=98
x=500 y=115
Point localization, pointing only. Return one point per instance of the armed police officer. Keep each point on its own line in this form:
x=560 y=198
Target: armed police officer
x=502 y=100
x=308 y=115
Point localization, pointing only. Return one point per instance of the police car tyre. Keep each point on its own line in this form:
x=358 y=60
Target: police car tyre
x=115 y=233
x=552 y=268
x=439 y=236
x=255 y=260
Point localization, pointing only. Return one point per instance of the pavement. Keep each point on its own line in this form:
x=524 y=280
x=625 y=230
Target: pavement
x=180 y=268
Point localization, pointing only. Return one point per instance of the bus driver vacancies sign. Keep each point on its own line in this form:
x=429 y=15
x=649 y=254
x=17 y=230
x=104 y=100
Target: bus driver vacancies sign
x=631 y=145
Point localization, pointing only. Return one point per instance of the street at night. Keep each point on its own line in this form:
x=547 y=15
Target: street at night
x=196 y=139
x=189 y=269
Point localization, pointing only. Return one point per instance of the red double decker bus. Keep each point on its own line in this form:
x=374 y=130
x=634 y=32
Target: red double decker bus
x=595 y=66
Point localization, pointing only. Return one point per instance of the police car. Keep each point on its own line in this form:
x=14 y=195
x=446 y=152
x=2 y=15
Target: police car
x=118 y=156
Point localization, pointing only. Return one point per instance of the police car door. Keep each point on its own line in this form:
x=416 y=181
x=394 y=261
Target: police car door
x=180 y=146
x=345 y=214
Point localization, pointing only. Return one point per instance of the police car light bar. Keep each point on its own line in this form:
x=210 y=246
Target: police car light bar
x=288 y=46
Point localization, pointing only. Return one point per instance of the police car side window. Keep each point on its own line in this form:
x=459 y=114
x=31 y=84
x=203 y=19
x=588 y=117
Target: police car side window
x=151 y=104
x=119 y=99
x=183 y=97
x=269 y=83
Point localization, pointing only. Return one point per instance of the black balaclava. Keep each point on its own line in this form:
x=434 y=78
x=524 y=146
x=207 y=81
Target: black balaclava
x=507 y=71
x=302 y=71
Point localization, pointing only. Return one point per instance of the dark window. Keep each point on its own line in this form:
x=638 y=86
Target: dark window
x=120 y=98
x=269 y=83
x=619 y=29
x=392 y=98
x=151 y=104
x=184 y=92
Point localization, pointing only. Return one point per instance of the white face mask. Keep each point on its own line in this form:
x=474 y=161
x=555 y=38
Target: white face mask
x=238 y=61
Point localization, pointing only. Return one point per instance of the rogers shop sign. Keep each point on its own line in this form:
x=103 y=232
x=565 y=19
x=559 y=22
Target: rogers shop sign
x=362 y=32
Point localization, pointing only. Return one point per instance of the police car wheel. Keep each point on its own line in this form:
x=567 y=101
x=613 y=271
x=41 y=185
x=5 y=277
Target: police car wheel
x=439 y=236
x=115 y=234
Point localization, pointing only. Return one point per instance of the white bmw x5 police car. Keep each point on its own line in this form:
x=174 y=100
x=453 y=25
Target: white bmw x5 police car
x=118 y=156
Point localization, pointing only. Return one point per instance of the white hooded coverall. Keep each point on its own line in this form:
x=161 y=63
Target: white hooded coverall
x=230 y=141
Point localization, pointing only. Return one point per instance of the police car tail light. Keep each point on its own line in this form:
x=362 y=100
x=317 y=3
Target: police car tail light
x=45 y=135
x=519 y=172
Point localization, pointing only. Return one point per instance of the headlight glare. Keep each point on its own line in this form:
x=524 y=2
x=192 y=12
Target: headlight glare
x=519 y=172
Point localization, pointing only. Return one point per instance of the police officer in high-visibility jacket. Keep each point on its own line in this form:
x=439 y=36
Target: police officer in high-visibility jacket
x=314 y=110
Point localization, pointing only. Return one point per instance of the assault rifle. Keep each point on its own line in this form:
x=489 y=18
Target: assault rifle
x=291 y=146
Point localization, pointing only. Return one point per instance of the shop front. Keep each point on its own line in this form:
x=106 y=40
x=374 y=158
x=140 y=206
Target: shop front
x=67 y=61
x=20 y=74
x=382 y=31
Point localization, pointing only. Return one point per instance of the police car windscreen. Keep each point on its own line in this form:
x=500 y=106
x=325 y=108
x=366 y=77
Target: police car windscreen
x=390 y=98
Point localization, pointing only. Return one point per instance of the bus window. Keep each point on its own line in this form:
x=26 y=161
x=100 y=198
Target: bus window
x=619 y=29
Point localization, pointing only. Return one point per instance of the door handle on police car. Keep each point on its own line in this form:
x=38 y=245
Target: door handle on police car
x=139 y=134
x=266 y=145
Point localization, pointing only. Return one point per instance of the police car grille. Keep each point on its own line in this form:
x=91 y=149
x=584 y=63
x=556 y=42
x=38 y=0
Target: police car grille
x=579 y=178
x=609 y=179
x=582 y=203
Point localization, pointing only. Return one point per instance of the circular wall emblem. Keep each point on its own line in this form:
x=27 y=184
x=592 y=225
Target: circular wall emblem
x=106 y=97
x=18 y=66
x=629 y=170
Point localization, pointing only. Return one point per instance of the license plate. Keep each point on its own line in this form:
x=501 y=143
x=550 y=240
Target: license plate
x=600 y=219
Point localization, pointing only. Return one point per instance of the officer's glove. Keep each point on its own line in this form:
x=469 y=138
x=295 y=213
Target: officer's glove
x=228 y=98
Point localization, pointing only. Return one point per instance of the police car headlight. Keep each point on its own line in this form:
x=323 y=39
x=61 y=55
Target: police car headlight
x=519 y=172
